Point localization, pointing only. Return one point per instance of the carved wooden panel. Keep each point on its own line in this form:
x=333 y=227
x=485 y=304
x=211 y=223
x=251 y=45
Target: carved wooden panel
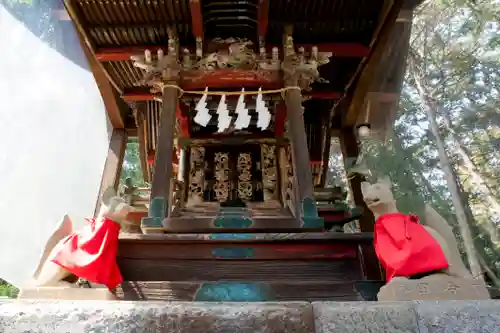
x=269 y=171
x=233 y=172
x=245 y=188
x=196 y=173
x=222 y=184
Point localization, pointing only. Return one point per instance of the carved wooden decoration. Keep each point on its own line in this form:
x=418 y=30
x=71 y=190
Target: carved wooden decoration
x=287 y=179
x=303 y=72
x=234 y=62
x=221 y=187
x=197 y=174
x=269 y=171
x=245 y=188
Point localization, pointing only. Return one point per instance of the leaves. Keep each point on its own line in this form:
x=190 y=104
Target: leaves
x=454 y=71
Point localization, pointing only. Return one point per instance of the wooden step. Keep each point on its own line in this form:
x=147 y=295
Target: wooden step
x=239 y=291
x=310 y=266
x=226 y=224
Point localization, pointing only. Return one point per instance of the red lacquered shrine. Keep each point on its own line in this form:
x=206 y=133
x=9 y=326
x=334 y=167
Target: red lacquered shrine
x=235 y=104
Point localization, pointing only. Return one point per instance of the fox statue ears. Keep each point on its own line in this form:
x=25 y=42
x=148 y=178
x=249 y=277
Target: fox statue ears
x=107 y=195
x=385 y=180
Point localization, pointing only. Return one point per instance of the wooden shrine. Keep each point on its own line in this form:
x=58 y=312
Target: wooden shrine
x=235 y=104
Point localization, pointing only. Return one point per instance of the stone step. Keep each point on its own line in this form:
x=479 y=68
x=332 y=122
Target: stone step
x=224 y=317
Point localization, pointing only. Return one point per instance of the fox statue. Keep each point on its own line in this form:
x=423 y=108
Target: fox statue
x=50 y=274
x=380 y=200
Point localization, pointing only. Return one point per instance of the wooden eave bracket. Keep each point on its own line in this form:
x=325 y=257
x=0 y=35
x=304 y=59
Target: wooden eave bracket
x=363 y=77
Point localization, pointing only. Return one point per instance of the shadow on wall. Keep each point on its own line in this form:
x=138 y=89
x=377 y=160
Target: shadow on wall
x=54 y=132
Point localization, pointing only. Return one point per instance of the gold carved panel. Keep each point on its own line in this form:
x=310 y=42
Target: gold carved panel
x=244 y=165
x=196 y=173
x=222 y=184
x=269 y=171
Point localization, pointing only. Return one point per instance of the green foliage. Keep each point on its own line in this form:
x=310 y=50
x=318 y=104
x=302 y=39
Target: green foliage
x=453 y=76
x=132 y=164
x=7 y=289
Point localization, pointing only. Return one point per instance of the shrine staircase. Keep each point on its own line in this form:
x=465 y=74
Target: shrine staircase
x=258 y=252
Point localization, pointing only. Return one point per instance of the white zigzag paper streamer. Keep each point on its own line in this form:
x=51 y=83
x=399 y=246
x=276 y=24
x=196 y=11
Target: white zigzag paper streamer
x=263 y=112
x=243 y=120
x=224 y=118
x=203 y=115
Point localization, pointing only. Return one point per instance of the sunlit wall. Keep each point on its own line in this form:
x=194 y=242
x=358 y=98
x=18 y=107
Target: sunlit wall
x=54 y=132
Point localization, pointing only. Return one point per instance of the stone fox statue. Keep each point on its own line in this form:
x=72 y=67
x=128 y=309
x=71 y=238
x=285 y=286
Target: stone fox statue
x=50 y=271
x=380 y=200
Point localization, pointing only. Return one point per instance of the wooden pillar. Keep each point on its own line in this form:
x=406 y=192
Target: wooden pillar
x=113 y=165
x=300 y=157
x=350 y=149
x=298 y=138
x=369 y=261
x=163 y=168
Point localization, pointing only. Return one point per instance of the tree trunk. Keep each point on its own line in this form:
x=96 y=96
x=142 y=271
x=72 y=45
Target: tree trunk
x=480 y=185
x=430 y=109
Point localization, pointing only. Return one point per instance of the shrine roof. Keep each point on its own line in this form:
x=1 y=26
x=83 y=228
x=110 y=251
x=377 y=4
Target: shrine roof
x=350 y=30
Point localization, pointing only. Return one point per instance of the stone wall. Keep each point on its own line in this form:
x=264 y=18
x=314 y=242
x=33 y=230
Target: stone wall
x=296 y=317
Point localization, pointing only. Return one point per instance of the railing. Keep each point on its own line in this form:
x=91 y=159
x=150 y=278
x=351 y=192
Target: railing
x=139 y=197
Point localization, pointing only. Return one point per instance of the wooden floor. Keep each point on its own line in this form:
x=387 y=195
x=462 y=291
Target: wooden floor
x=241 y=267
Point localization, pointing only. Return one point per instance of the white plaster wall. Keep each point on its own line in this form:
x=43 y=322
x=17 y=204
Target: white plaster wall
x=54 y=137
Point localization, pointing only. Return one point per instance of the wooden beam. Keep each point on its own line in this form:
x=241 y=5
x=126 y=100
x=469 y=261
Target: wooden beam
x=141 y=95
x=113 y=165
x=138 y=95
x=365 y=73
x=115 y=107
x=196 y=18
x=124 y=53
x=263 y=19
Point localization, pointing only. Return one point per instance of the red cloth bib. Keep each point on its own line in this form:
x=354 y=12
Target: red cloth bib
x=91 y=253
x=405 y=248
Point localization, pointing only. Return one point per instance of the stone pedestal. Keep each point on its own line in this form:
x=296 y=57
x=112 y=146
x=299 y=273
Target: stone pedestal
x=434 y=287
x=65 y=293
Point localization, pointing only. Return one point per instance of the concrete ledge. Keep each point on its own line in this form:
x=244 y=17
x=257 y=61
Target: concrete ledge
x=407 y=317
x=294 y=317
x=154 y=317
x=65 y=293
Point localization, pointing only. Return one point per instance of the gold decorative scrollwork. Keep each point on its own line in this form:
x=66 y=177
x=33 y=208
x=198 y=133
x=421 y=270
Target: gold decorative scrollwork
x=221 y=187
x=290 y=183
x=197 y=173
x=269 y=170
x=245 y=188
x=287 y=178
